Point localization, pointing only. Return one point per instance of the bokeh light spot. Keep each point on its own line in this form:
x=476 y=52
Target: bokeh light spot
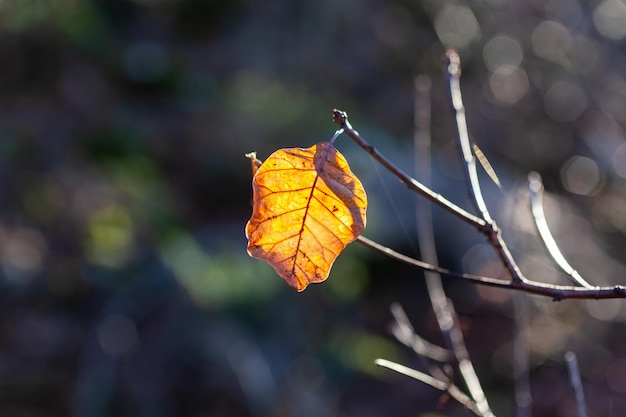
x=502 y=50
x=609 y=213
x=492 y=294
x=547 y=335
x=580 y=175
x=110 y=236
x=22 y=252
x=551 y=41
x=619 y=160
x=609 y=18
x=457 y=27
x=508 y=84
x=606 y=311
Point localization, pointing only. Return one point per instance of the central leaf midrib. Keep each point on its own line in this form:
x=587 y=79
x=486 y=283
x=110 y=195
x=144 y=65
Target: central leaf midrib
x=308 y=205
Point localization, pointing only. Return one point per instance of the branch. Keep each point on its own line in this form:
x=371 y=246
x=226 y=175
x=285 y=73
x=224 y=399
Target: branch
x=491 y=230
x=444 y=310
x=486 y=225
x=556 y=292
x=438 y=377
x=404 y=332
x=451 y=389
x=523 y=396
x=341 y=118
x=536 y=203
x=493 y=233
x=574 y=376
x=471 y=176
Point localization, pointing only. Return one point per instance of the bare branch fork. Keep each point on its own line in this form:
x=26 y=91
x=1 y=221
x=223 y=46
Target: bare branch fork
x=484 y=224
x=432 y=356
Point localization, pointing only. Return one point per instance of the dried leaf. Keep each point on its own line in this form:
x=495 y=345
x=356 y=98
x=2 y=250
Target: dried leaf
x=486 y=164
x=308 y=206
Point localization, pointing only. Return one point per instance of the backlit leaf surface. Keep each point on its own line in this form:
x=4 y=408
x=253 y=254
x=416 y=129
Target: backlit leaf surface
x=307 y=206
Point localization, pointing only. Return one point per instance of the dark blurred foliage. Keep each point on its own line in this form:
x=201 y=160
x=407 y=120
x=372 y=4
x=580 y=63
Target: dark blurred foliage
x=124 y=191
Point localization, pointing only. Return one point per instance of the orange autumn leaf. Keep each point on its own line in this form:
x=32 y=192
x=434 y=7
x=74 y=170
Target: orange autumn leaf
x=307 y=206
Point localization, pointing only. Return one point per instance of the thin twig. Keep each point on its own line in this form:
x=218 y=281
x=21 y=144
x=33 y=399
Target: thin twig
x=427 y=352
x=556 y=292
x=536 y=203
x=453 y=72
x=466 y=367
x=451 y=389
x=424 y=221
x=443 y=307
x=428 y=267
x=489 y=229
x=523 y=397
x=486 y=226
x=415 y=374
x=404 y=332
x=341 y=118
x=574 y=377
x=471 y=175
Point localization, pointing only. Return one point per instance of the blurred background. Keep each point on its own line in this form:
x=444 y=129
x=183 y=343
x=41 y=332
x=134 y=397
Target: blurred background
x=126 y=289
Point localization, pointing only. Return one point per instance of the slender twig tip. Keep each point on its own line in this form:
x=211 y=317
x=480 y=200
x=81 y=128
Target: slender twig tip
x=534 y=182
x=575 y=380
x=454 y=62
x=340 y=117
